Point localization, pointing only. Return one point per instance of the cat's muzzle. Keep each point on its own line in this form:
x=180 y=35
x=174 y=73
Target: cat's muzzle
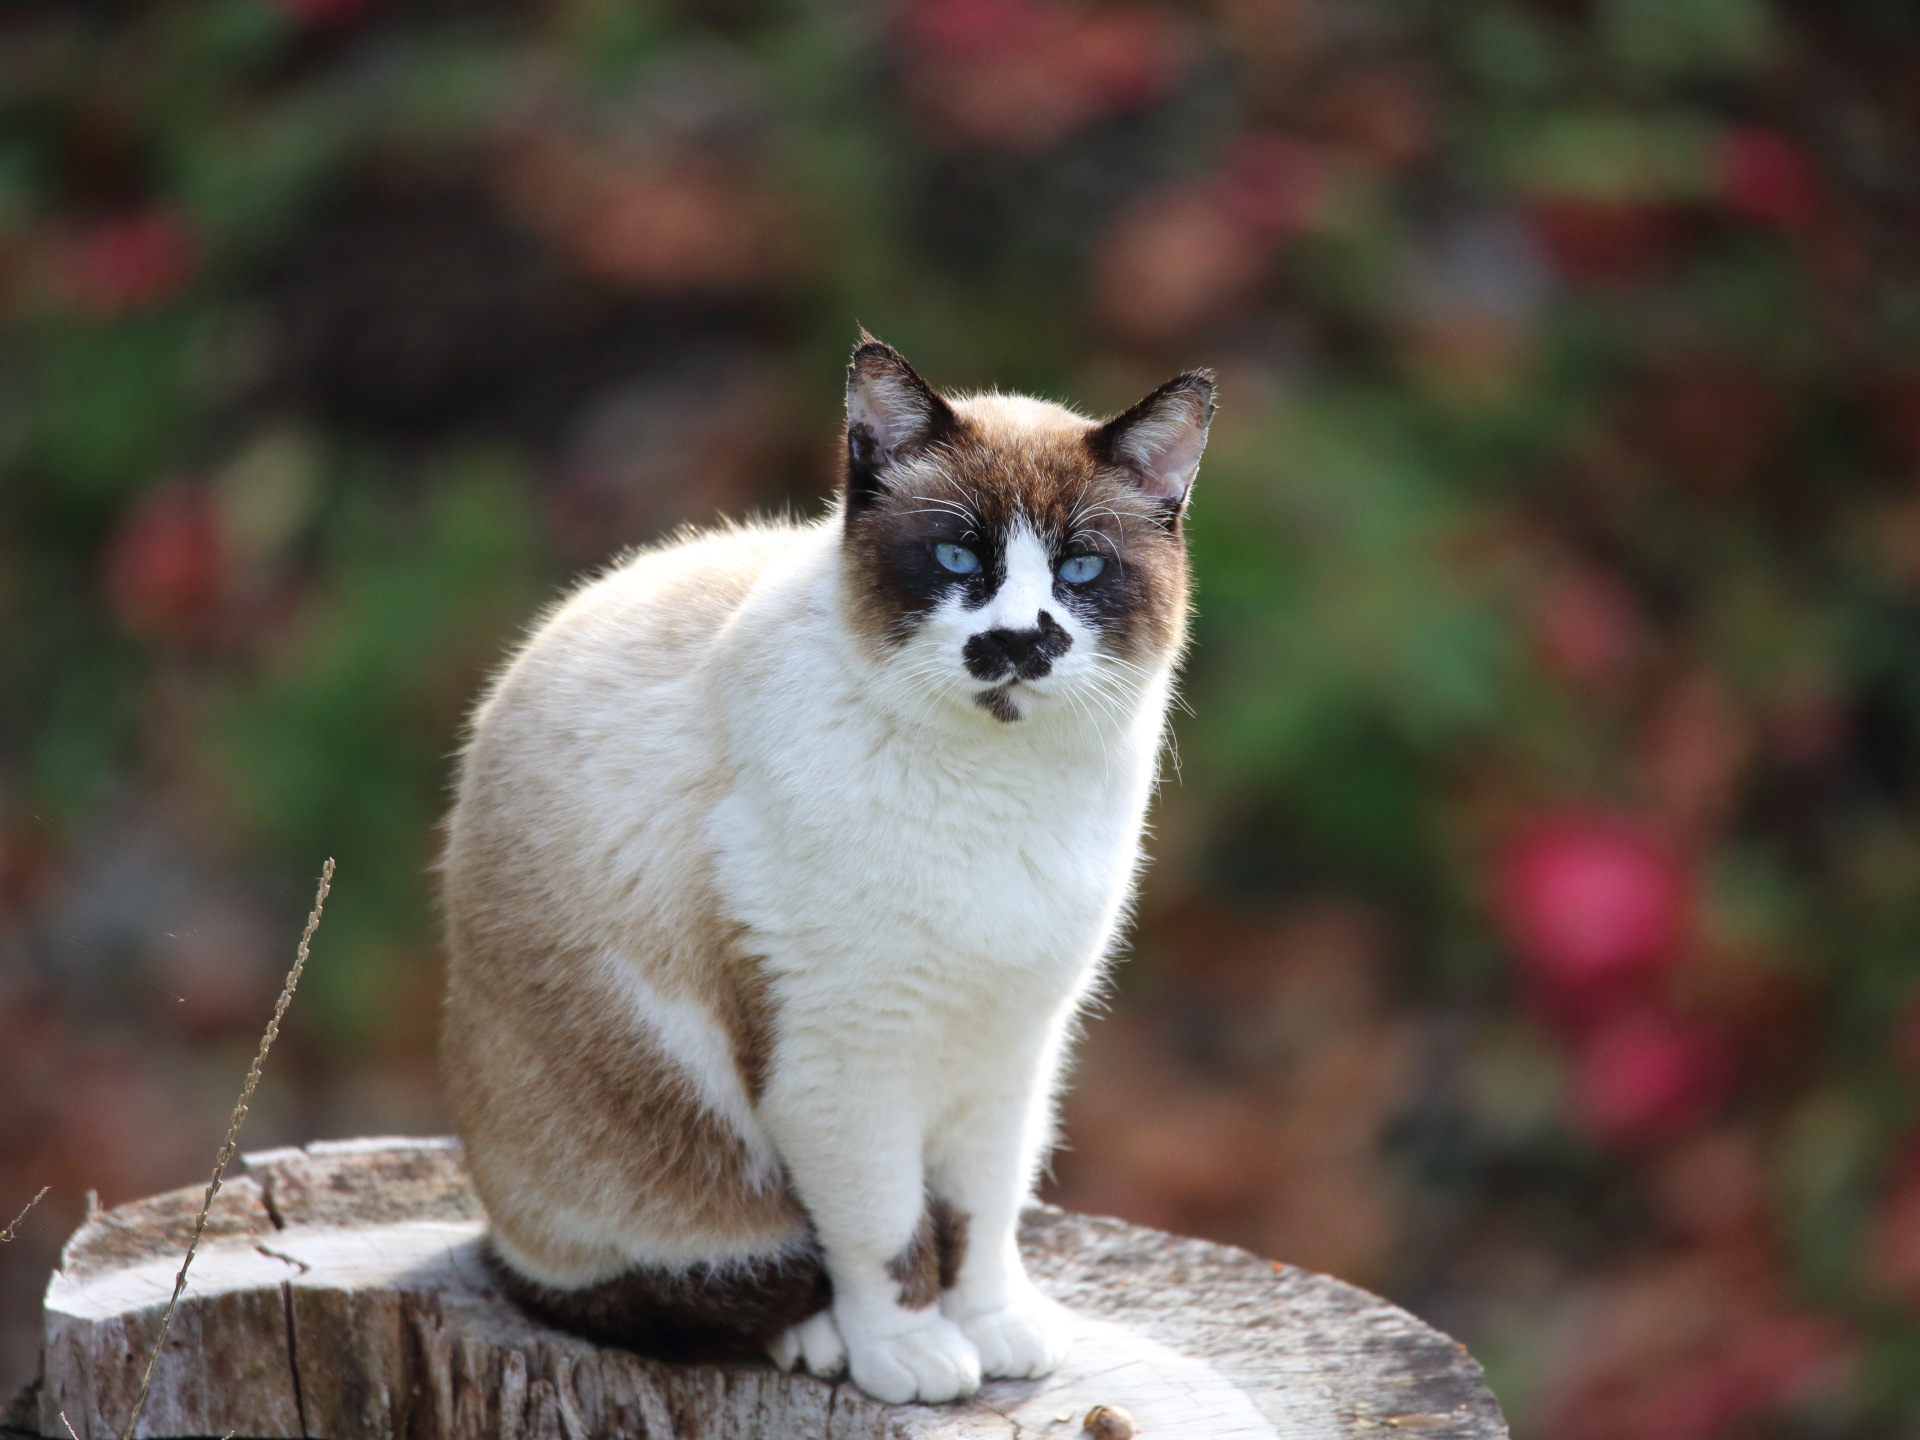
x=1016 y=654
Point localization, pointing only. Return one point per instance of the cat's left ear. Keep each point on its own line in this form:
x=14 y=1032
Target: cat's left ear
x=1157 y=442
x=892 y=415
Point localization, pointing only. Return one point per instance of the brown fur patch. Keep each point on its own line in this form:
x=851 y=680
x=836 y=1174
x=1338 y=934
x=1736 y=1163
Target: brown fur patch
x=932 y=1258
x=950 y=1231
x=578 y=1112
x=574 y=1122
x=747 y=1012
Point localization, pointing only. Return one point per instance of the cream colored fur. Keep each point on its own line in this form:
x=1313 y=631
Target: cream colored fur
x=754 y=925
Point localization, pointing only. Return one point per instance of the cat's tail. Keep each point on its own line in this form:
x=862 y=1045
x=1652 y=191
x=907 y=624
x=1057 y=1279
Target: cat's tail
x=729 y=1310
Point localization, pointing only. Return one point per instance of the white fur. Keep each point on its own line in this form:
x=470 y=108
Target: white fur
x=932 y=892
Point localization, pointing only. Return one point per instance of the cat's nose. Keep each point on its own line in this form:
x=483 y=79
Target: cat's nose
x=1028 y=654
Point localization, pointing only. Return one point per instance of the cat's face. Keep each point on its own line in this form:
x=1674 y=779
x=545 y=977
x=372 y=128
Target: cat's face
x=1009 y=557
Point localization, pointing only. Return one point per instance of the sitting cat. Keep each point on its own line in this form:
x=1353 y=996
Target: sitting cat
x=782 y=859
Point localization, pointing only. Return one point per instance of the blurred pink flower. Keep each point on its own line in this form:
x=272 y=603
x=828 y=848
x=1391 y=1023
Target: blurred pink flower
x=1646 y=1075
x=164 y=573
x=131 y=262
x=1589 y=900
x=1762 y=176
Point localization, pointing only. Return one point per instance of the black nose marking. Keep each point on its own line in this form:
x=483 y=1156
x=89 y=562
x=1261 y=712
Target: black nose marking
x=1029 y=654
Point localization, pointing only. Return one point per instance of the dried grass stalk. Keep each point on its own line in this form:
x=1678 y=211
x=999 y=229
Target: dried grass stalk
x=7 y=1234
x=233 y=1133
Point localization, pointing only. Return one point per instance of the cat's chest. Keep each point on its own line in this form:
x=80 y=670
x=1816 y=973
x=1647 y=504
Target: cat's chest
x=903 y=852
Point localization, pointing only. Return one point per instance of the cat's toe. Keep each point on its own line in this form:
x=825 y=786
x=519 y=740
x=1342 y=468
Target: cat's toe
x=784 y=1350
x=821 y=1347
x=930 y=1363
x=813 y=1345
x=1021 y=1340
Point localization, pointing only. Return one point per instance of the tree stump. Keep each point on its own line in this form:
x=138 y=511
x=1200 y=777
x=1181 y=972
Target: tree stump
x=339 y=1293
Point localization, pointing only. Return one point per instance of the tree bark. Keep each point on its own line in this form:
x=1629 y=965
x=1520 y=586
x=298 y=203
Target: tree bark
x=338 y=1293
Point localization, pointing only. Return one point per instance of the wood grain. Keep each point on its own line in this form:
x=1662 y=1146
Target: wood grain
x=339 y=1294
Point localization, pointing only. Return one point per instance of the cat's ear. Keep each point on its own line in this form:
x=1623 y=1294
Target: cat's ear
x=1157 y=443
x=892 y=414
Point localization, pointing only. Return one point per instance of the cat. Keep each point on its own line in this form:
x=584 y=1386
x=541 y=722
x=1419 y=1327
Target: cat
x=781 y=860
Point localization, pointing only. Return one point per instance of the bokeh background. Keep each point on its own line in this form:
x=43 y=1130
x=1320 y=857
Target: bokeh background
x=1533 y=929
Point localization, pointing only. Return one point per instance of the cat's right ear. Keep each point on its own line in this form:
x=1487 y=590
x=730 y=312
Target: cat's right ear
x=892 y=414
x=1158 y=442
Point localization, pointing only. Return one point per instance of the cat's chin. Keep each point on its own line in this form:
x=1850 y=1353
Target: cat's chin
x=1009 y=703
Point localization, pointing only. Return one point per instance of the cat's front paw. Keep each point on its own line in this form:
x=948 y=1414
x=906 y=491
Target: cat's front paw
x=930 y=1363
x=1020 y=1340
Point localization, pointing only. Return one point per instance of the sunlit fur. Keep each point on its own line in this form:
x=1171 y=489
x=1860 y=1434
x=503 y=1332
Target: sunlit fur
x=767 y=932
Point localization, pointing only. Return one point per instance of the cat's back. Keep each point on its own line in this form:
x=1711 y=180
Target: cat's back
x=646 y=622
x=601 y=725
x=598 y=1031
x=626 y=650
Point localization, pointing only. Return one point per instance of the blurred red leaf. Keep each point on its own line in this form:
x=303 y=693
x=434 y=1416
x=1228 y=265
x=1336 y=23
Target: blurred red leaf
x=1714 y=1190
x=164 y=573
x=1382 y=115
x=1893 y=1238
x=1586 y=626
x=678 y=221
x=1770 y=1364
x=1762 y=176
x=1693 y=752
x=957 y=28
x=1187 y=252
x=1174 y=261
x=1699 y=1344
x=1716 y=420
x=1274 y=183
x=1600 y=242
x=1026 y=74
x=129 y=263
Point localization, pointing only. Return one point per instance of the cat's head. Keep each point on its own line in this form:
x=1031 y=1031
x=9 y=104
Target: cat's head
x=1008 y=556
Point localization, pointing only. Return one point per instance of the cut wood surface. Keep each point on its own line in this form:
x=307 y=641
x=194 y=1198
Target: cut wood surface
x=339 y=1293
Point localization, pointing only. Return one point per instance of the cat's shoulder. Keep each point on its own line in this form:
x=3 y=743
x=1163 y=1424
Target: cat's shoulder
x=676 y=592
x=709 y=567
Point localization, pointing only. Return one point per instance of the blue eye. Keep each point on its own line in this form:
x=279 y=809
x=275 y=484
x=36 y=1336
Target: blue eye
x=957 y=558
x=1079 y=569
